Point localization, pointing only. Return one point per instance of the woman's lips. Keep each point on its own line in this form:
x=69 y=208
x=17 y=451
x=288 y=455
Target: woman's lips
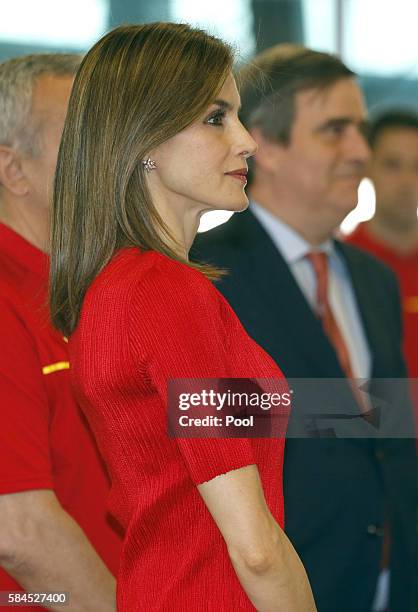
x=240 y=175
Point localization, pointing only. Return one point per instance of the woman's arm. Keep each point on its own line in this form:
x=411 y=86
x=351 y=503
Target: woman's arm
x=265 y=561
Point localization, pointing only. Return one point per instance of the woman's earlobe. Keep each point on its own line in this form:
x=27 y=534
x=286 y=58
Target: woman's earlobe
x=149 y=164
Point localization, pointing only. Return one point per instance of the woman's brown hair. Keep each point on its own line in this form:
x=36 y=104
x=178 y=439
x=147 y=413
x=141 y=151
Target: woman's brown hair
x=136 y=88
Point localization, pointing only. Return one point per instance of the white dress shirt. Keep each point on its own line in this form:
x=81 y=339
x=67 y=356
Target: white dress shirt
x=294 y=248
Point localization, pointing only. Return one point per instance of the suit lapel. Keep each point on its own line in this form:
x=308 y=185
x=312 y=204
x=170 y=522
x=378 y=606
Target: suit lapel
x=272 y=279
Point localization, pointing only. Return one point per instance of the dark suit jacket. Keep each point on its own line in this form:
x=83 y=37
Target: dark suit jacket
x=337 y=491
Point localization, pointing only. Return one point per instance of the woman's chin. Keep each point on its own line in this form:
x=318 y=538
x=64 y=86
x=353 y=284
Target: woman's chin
x=225 y=206
x=238 y=206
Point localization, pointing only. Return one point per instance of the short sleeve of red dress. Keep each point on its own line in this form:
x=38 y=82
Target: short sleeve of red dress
x=184 y=336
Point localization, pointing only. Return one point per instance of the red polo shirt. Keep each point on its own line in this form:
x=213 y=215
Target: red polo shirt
x=406 y=270
x=45 y=442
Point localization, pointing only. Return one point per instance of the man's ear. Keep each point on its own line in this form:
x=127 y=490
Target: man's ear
x=269 y=153
x=368 y=170
x=12 y=176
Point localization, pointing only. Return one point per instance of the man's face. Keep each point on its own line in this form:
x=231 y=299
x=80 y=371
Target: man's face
x=394 y=172
x=325 y=159
x=49 y=108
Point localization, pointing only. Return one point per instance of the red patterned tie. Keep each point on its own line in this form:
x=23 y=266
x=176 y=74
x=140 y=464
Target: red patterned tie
x=319 y=262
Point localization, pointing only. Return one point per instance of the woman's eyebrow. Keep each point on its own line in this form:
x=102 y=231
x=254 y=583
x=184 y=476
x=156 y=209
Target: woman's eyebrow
x=224 y=104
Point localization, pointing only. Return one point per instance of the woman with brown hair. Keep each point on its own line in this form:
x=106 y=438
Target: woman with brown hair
x=152 y=140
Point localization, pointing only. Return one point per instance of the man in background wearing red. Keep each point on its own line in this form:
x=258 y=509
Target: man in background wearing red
x=392 y=234
x=54 y=531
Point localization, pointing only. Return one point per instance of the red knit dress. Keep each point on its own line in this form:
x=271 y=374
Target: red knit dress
x=146 y=319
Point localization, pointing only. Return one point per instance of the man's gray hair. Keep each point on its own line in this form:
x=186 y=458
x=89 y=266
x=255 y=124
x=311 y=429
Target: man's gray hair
x=17 y=79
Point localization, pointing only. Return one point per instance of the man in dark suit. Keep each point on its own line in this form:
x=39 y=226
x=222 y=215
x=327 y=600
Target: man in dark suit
x=324 y=310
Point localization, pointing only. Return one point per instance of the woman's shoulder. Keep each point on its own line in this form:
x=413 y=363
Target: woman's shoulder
x=135 y=271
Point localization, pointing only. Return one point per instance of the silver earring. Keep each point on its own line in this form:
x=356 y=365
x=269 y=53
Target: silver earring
x=149 y=164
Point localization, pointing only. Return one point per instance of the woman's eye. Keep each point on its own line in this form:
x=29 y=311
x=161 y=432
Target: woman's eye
x=216 y=119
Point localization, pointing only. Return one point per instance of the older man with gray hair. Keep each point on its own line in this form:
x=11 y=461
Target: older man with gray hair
x=54 y=531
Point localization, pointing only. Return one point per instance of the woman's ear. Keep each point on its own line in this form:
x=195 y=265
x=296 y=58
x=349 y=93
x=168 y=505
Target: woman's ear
x=269 y=152
x=12 y=176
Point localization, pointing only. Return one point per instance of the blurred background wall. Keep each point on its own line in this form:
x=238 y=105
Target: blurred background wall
x=376 y=38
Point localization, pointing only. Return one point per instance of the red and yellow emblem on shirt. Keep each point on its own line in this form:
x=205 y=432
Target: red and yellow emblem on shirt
x=55 y=367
